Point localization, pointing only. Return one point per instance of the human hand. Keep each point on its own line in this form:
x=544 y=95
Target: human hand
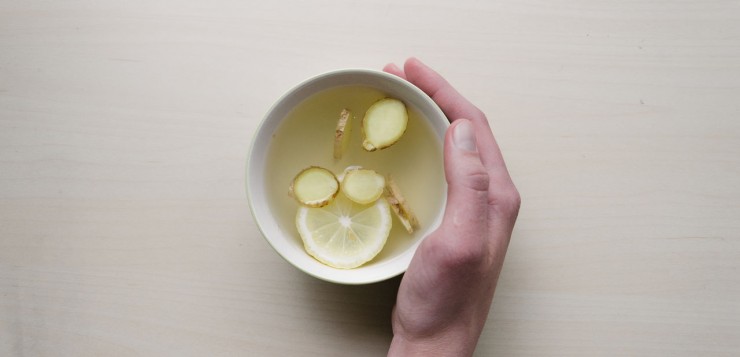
x=446 y=293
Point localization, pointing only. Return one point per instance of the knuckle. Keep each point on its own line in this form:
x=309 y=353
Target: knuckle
x=464 y=258
x=480 y=113
x=481 y=116
x=508 y=202
x=461 y=254
x=514 y=200
x=478 y=180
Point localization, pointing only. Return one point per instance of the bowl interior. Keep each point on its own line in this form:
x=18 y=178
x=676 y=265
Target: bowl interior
x=281 y=238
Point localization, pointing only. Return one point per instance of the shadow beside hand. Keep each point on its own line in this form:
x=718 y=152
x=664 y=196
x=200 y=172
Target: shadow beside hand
x=357 y=313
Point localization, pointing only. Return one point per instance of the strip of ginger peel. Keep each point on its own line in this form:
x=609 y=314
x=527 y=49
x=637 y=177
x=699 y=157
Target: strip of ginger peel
x=342 y=133
x=400 y=206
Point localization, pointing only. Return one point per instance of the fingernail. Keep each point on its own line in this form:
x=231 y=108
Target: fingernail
x=464 y=136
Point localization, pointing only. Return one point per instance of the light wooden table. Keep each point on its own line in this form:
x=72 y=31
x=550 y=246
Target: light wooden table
x=124 y=128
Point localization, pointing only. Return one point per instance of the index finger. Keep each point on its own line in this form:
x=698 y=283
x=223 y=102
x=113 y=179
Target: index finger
x=455 y=106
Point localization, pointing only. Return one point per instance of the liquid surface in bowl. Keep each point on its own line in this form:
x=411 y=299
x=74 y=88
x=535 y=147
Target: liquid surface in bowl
x=306 y=138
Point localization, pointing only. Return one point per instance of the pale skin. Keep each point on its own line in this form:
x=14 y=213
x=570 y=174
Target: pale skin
x=446 y=293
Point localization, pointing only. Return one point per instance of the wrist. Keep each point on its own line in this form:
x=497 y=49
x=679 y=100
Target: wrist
x=448 y=343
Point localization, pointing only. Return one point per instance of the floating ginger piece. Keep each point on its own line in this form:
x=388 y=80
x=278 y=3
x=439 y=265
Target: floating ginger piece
x=340 y=177
x=314 y=187
x=384 y=123
x=400 y=206
x=342 y=133
x=363 y=186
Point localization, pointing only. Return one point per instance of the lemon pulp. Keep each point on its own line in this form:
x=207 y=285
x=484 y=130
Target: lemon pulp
x=344 y=234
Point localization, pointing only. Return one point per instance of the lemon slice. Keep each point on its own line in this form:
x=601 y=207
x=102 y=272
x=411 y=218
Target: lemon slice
x=344 y=234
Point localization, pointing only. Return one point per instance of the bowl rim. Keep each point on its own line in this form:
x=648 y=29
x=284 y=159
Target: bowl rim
x=264 y=121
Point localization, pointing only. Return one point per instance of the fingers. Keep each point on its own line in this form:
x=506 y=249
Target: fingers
x=455 y=106
x=393 y=69
x=449 y=100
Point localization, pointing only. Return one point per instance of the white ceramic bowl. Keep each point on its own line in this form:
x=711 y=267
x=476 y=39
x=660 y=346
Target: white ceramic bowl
x=287 y=246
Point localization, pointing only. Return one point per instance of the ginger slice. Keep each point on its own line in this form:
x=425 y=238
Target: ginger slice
x=384 y=123
x=342 y=133
x=363 y=186
x=340 y=177
x=314 y=187
x=400 y=206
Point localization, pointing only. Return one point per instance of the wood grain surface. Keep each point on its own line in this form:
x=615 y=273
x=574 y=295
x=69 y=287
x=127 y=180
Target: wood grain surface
x=125 y=126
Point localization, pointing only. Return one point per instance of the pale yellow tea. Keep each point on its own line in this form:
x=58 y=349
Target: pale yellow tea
x=306 y=138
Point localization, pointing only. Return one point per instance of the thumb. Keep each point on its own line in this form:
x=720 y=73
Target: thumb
x=467 y=180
